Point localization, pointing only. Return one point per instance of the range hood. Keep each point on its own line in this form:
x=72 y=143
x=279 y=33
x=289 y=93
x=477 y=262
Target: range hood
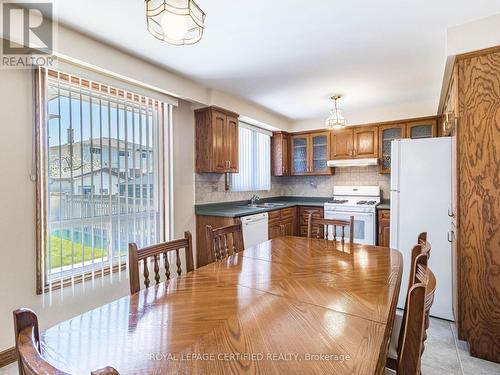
x=352 y=162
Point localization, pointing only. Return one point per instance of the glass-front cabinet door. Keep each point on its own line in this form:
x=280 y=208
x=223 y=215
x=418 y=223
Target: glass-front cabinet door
x=422 y=129
x=300 y=163
x=387 y=134
x=320 y=153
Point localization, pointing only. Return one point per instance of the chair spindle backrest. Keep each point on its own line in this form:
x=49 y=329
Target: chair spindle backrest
x=314 y=226
x=225 y=241
x=154 y=253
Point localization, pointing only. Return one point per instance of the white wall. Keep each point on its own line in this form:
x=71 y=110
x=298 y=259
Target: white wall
x=473 y=36
x=183 y=164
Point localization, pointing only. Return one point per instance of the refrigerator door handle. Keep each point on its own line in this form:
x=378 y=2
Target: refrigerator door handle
x=450 y=236
x=450 y=213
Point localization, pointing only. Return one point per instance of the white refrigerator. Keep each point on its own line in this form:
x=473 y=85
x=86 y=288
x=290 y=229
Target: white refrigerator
x=420 y=200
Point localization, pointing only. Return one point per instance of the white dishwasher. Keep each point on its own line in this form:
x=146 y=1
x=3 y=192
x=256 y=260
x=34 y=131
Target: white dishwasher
x=255 y=229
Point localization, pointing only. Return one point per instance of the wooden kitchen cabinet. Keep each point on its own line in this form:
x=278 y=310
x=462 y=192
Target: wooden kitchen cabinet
x=365 y=141
x=342 y=144
x=310 y=153
x=282 y=222
x=216 y=140
x=303 y=217
x=358 y=142
x=387 y=134
x=422 y=129
x=384 y=227
x=280 y=154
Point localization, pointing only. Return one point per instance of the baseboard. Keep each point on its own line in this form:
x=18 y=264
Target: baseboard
x=8 y=356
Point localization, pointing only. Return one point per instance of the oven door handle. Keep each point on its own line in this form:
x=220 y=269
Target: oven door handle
x=332 y=213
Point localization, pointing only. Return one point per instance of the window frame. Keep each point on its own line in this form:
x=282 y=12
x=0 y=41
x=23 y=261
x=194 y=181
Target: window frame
x=164 y=169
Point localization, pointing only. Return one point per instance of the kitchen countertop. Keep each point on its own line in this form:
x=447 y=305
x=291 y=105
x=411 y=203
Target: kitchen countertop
x=236 y=209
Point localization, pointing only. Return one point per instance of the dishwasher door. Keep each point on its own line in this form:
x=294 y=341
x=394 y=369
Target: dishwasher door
x=255 y=229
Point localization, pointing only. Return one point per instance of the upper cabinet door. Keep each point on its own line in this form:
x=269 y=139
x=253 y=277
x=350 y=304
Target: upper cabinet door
x=300 y=152
x=216 y=139
x=232 y=144
x=421 y=129
x=280 y=157
x=285 y=155
x=342 y=144
x=320 y=153
x=387 y=134
x=366 y=142
x=219 y=128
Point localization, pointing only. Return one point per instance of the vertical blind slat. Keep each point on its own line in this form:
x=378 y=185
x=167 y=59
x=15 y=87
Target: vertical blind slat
x=255 y=161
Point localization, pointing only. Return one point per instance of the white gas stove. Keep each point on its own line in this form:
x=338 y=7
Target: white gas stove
x=357 y=201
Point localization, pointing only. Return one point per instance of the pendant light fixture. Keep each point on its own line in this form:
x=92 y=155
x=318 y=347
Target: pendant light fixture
x=177 y=22
x=335 y=121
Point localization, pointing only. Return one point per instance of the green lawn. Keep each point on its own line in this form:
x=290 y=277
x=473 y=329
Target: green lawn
x=55 y=252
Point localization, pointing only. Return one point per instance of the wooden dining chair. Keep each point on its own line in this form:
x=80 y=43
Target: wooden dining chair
x=225 y=241
x=155 y=252
x=319 y=225
x=29 y=358
x=409 y=330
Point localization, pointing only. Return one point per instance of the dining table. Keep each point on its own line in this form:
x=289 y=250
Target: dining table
x=290 y=305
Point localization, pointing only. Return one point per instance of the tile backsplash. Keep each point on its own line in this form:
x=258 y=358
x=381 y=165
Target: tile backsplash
x=210 y=186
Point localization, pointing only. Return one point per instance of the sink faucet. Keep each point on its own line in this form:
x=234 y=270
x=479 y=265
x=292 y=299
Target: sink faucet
x=254 y=199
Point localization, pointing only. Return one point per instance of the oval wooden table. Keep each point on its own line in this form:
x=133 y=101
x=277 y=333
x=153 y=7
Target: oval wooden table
x=291 y=305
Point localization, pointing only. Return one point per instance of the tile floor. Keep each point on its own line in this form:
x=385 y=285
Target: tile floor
x=443 y=355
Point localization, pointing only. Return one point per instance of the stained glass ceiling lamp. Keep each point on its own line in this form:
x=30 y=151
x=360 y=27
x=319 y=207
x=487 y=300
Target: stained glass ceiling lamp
x=335 y=121
x=177 y=22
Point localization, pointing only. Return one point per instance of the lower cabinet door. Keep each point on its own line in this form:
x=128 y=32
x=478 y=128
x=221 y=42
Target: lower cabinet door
x=275 y=230
x=288 y=228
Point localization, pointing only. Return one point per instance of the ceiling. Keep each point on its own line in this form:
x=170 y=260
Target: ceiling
x=290 y=56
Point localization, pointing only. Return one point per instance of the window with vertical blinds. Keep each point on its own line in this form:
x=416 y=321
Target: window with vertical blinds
x=101 y=176
x=254 y=147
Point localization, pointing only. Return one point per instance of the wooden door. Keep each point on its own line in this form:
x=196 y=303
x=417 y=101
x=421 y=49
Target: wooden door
x=300 y=154
x=232 y=144
x=365 y=142
x=317 y=212
x=288 y=228
x=280 y=156
x=387 y=134
x=289 y=221
x=320 y=153
x=275 y=230
x=421 y=129
x=384 y=234
x=285 y=154
x=219 y=131
x=342 y=144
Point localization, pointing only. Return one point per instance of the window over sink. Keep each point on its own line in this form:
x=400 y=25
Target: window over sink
x=254 y=158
